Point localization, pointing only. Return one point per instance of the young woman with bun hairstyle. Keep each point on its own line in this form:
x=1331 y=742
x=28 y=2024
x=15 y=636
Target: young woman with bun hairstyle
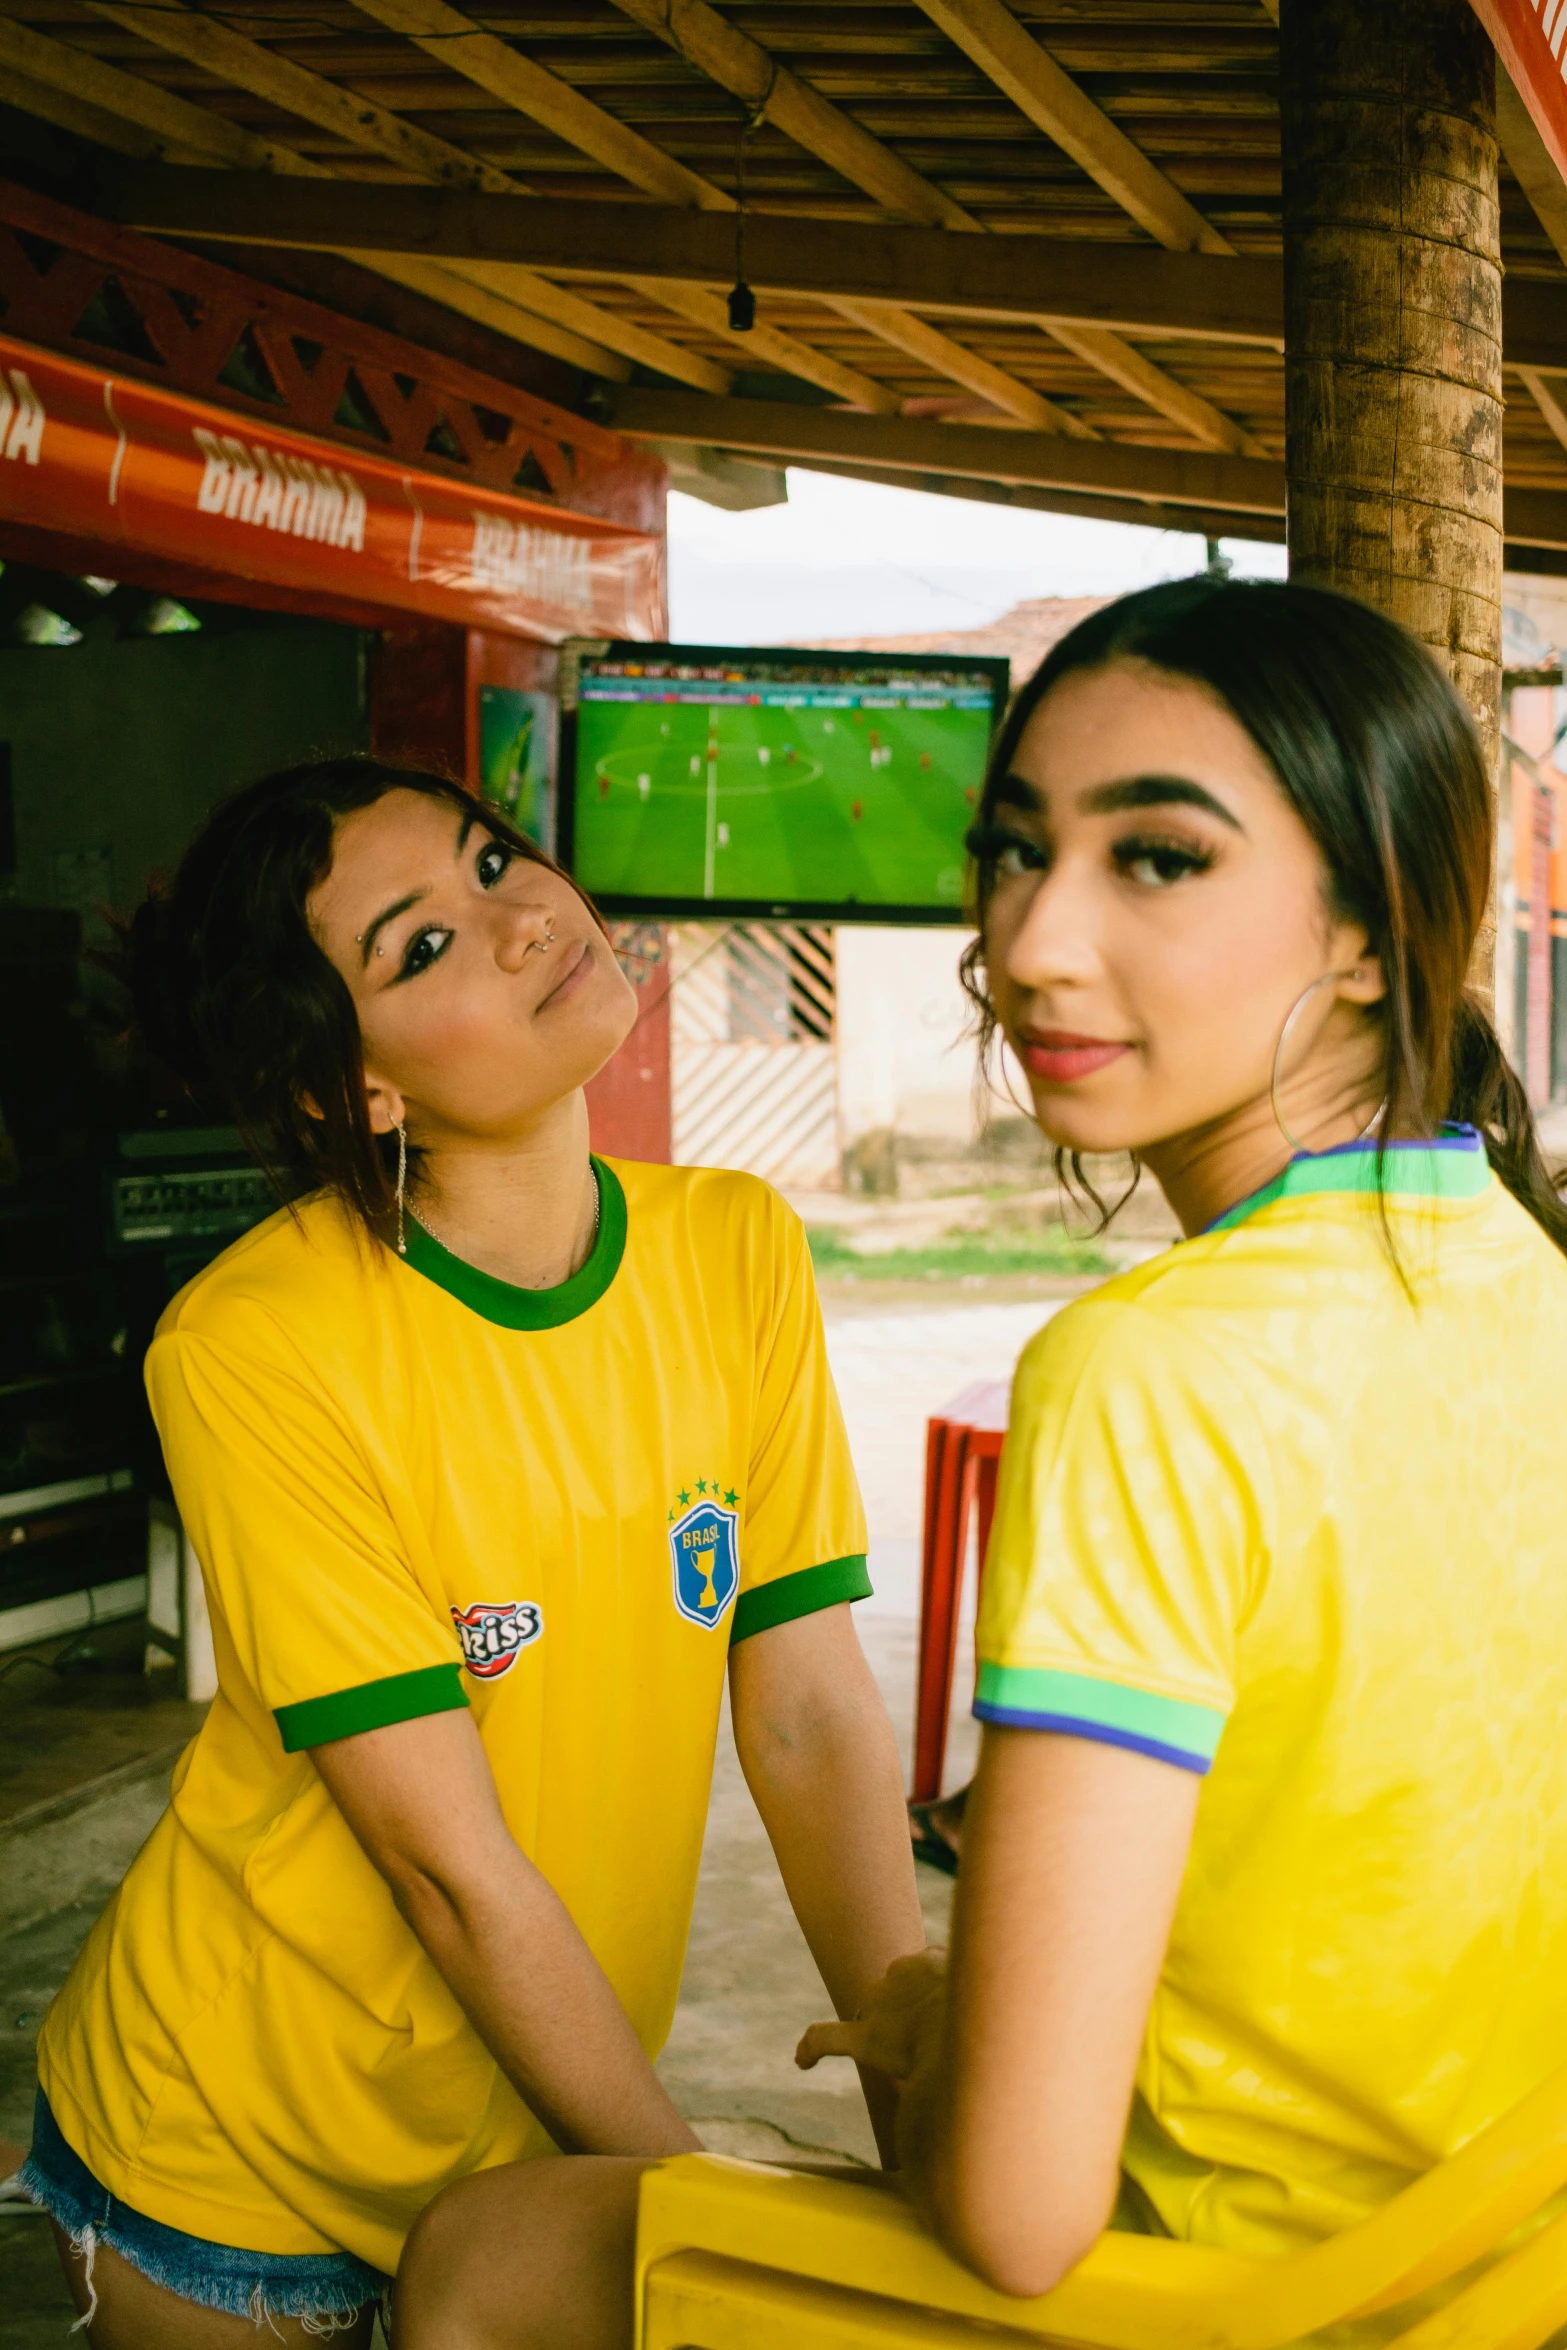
x=1263 y=1901
x=496 y=1456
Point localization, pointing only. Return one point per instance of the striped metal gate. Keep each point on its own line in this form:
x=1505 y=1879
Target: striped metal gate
x=754 y=1067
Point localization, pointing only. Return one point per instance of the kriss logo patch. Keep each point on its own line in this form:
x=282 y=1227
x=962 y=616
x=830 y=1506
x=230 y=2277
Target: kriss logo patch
x=494 y=1634
x=704 y=1549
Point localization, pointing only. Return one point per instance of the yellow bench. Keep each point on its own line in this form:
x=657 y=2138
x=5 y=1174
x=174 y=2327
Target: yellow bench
x=740 y=2256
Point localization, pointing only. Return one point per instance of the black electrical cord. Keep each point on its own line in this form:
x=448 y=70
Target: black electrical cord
x=742 y=302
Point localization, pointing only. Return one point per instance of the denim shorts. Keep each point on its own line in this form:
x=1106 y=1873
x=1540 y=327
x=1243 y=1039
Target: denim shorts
x=324 y=2286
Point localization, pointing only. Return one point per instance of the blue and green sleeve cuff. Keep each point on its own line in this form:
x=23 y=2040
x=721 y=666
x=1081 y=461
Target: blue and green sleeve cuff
x=374 y=1705
x=1026 y=1697
x=801 y=1594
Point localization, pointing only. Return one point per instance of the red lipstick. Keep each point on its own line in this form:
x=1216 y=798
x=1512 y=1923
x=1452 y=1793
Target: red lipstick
x=1061 y=1057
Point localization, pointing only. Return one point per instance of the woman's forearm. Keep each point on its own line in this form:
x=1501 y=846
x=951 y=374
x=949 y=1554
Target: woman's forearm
x=821 y=1762
x=539 y=2000
x=501 y=1937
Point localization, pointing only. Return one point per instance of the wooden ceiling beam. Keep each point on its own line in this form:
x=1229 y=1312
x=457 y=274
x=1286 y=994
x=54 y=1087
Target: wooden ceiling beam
x=1533 y=518
x=938 y=351
x=765 y=343
x=532 y=90
x=1004 y=50
x=525 y=290
x=773 y=93
x=464 y=47
x=901 y=444
x=1138 y=375
x=1132 y=289
x=467 y=48
x=1143 y=513
x=88 y=88
x=1036 y=83
x=171 y=127
x=576 y=329
x=529 y=89
x=245 y=65
x=1546 y=395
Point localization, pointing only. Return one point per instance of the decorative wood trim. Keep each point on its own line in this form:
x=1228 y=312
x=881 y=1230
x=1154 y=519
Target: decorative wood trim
x=193 y=316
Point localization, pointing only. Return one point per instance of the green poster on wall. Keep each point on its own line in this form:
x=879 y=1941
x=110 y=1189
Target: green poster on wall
x=517 y=758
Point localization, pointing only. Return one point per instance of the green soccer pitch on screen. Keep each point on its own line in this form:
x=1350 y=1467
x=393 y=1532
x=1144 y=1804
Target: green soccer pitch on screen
x=701 y=780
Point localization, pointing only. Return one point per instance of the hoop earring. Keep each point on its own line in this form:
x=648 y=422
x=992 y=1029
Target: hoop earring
x=1299 y=1148
x=402 y=1183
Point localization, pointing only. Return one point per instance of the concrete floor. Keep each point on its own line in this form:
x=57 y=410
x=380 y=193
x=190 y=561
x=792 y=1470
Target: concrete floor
x=750 y=1987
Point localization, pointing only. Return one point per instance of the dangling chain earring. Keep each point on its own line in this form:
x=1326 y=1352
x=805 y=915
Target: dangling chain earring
x=1290 y=1018
x=402 y=1183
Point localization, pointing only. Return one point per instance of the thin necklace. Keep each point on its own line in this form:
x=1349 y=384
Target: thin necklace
x=421 y=1217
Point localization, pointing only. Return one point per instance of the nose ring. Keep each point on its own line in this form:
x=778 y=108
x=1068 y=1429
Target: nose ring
x=546 y=942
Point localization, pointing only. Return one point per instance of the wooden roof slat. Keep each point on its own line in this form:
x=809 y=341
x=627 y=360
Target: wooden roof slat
x=766 y=342
x=542 y=95
x=731 y=58
x=958 y=364
x=499 y=297
x=247 y=64
x=229 y=56
x=986 y=31
x=1137 y=373
x=434 y=24
x=989 y=33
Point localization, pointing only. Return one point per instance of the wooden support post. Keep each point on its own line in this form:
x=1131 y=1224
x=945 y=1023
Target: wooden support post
x=1393 y=311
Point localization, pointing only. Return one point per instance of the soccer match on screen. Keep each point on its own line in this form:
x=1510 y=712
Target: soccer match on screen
x=759 y=779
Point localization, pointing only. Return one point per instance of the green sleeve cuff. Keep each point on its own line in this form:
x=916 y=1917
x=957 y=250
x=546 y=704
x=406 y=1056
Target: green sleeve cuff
x=800 y=1594
x=374 y=1705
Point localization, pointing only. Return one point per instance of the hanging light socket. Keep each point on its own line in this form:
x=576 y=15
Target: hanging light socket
x=742 y=302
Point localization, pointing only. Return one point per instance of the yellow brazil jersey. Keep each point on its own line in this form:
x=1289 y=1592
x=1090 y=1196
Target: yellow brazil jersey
x=413 y=1487
x=1266 y=1518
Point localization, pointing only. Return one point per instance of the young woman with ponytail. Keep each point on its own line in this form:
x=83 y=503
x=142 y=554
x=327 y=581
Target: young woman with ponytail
x=1263 y=1902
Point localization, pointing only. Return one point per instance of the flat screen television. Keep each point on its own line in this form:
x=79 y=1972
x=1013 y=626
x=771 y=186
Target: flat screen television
x=776 y=783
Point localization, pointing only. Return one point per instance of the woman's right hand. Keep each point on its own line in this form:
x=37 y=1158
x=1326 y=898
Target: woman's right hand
x=898 y=2030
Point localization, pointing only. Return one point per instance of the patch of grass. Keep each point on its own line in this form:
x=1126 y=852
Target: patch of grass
x=959 y=1256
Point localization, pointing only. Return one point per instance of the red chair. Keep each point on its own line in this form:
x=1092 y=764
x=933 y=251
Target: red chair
x=962 y=1459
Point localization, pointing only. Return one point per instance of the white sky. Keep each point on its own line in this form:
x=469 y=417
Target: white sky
x=851 y=558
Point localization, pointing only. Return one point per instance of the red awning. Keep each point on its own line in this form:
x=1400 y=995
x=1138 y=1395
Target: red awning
x=104 y=457
x=1529 y=37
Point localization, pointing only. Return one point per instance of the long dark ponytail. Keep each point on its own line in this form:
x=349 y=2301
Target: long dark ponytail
x=1379 y=758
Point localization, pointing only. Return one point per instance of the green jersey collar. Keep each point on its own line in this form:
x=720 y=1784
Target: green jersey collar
x=1451 y=1165
x=530 y=1309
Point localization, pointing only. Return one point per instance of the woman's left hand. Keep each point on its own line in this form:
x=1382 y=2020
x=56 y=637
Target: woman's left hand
x=898 y=2030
